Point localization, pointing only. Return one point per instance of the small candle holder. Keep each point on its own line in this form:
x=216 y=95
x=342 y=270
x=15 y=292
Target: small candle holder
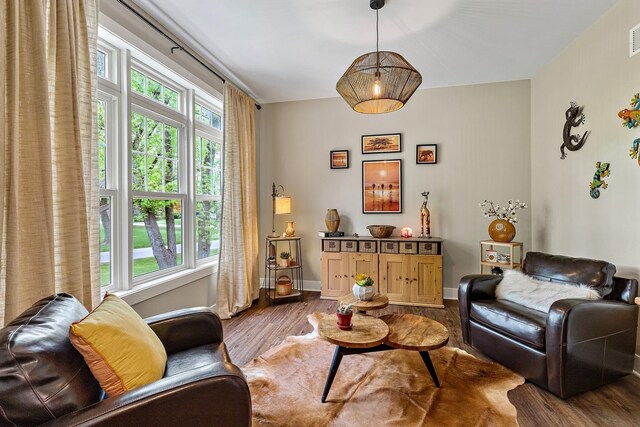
x=406 y=232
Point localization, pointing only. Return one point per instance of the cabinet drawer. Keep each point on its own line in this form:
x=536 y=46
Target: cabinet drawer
x=389 y=247
x=428 y=248
x=331 y=245
x=348 y=246
x=408 y=247
x=367 y=247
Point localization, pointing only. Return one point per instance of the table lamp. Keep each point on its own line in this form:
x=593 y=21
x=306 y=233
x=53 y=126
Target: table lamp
x=281 y=205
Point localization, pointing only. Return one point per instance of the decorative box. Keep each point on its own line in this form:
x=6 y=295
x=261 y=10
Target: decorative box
x=492 y=256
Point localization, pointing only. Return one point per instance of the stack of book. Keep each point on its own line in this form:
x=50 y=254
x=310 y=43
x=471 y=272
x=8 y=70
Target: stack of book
x=331 y=233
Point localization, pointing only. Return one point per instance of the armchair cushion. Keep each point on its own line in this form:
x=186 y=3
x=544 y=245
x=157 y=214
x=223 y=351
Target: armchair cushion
x=514 y=320
x=529 y=292
x=121 y=350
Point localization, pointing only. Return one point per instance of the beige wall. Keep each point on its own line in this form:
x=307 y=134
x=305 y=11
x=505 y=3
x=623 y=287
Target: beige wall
x=595 y=71
x=198 y=293
x=482 y=132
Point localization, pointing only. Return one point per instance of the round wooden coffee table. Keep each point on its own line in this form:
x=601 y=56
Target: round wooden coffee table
x=417 y=333
x=378 y=302
x=366 y=334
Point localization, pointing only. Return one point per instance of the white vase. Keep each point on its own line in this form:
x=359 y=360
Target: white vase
x=284 y=262
x=363 y=293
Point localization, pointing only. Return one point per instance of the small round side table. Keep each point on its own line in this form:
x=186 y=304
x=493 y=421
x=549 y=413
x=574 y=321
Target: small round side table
x=378 y=302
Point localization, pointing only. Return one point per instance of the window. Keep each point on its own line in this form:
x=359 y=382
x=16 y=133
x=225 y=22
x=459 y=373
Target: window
x=208 y=117
x=145 y=85
x=160 y=185
x=208 y=196
x=102 y=64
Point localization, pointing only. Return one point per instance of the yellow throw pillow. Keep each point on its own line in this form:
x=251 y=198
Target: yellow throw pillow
x=121 y=350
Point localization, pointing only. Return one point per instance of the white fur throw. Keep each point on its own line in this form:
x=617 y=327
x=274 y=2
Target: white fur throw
x=538 y=295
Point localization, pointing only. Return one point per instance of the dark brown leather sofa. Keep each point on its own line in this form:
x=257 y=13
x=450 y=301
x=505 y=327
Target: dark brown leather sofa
x=45 y=381
x=578 y=346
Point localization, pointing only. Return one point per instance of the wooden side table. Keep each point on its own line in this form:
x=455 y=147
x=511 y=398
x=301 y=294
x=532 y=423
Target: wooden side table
x=511 y=248
x=378 y=302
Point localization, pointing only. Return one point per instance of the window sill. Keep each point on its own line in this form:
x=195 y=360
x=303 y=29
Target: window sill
x=159 y=286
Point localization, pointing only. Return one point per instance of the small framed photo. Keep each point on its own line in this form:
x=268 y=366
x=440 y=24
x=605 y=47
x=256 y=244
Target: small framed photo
x=388 y=143
x=339 y=159
x=426 y=154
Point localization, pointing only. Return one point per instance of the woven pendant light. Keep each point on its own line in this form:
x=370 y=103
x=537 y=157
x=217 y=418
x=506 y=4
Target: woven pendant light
x=378 y=82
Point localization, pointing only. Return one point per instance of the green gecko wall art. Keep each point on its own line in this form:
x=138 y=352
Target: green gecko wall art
x=602 y=170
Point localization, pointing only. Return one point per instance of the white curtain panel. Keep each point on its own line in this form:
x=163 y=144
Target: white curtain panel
x=48 y=153
x=238 y=281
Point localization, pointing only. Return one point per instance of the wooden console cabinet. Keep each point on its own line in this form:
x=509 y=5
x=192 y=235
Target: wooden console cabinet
x=407 y=271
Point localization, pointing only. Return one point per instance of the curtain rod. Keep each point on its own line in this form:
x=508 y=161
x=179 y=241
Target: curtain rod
x=176 y=44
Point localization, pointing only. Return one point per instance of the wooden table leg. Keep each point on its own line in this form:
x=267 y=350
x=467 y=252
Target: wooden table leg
x=335 y=363
x=427 y=361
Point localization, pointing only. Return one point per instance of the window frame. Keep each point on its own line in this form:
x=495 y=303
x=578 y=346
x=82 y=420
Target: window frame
x=124 y=102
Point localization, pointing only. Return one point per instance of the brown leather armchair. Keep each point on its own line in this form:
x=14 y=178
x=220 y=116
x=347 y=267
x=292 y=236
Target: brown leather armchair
x=45 y=381
x=577 y=346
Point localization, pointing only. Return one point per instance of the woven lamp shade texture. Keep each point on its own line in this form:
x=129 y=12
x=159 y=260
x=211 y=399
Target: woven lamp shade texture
x=399 y=80
x=283 y=205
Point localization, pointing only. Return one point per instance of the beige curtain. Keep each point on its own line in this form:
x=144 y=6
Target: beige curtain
x=238 y=281
x=48 y=179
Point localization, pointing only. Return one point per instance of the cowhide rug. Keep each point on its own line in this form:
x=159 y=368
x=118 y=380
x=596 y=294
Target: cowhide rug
x=387 y=388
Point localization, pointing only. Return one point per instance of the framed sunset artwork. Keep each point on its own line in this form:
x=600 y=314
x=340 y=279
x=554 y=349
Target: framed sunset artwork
x=382 y=186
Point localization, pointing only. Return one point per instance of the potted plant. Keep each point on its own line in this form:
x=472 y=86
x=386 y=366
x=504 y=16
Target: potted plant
x=502 y=229
x=284 y=259
x=344 y=314
x=363 y=289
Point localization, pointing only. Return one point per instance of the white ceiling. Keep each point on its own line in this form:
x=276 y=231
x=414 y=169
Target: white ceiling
x=282 y=50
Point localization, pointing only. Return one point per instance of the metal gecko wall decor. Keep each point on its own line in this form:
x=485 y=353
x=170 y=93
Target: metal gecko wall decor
x=602 y=171
x=630 y=118
x=575 y=118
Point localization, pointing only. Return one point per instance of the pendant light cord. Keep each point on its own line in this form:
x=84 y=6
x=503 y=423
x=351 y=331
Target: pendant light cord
x=377 y=47
x=377 y=32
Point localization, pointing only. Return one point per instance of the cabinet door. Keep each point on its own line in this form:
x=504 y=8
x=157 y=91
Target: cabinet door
x=364 y=263
x=335 y=274
x=426 y=279
x=393 y=278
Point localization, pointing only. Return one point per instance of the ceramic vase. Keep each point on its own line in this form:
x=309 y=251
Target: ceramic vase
x=290 y=231
x=332 y=220
x=501 y=231
x=363 y=293
x=284 y=262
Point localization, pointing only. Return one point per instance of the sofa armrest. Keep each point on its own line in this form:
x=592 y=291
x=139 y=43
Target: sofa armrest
x=187 y=328
x=472 y=288
x=213 y=395
x=589 y=343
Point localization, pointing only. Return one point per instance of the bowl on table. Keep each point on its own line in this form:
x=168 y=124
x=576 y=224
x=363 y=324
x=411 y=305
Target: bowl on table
x=381 y=231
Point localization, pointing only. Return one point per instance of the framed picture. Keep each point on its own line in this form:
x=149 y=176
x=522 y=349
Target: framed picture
x=382 y=186
x=426 y=154
x=339 y=159
x=390 y=143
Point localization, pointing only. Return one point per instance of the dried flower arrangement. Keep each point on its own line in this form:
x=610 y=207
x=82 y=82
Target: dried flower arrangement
x=507 y=213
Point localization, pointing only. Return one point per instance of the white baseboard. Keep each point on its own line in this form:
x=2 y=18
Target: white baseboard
x=636 y=365
x=450 y=293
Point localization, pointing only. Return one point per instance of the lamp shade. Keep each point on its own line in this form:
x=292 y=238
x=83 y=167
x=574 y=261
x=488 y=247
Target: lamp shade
x=283 y=205
x=378 y=82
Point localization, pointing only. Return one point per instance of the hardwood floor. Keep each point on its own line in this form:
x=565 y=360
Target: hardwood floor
x=261 y=327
